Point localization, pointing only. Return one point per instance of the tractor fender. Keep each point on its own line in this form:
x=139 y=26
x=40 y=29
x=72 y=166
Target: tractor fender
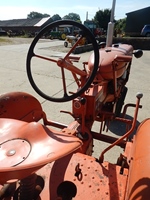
x=21 y=106
x=138 y=185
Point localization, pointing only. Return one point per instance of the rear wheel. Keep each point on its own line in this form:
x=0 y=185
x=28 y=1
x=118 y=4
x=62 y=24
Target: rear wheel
x=63 y=36
x=73 y=43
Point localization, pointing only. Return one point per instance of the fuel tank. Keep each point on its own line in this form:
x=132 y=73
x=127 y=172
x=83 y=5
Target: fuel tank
x=138 y=186
x=113 y=59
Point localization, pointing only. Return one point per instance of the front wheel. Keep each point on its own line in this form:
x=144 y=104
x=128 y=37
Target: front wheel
x=66 y=44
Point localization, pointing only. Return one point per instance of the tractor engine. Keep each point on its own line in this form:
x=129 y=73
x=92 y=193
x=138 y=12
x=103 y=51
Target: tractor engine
x=108 y=85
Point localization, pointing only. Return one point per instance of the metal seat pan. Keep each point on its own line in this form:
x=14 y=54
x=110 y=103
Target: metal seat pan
x=26 y=147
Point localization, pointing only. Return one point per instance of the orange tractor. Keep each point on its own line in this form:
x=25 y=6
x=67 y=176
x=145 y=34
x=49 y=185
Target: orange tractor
x=48 y=160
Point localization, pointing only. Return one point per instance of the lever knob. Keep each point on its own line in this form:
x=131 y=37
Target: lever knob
x=139 y=95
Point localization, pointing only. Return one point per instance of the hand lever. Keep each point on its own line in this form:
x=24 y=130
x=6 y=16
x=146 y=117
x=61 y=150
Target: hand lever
x=139 y=96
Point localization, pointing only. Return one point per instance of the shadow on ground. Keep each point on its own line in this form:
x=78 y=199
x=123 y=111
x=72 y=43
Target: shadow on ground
x=120 y=128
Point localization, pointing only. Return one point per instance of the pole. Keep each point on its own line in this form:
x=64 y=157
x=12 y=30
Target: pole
x=110 y=29
x=113 y=11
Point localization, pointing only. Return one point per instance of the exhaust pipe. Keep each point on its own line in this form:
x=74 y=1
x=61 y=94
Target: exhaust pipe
x=110 y=29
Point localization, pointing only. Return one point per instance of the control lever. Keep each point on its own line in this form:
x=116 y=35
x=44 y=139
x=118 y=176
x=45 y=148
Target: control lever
x=138 y=96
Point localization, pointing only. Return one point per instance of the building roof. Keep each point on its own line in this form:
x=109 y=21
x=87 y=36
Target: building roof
x=24 y=22
x=136 y=20
x=140 y=10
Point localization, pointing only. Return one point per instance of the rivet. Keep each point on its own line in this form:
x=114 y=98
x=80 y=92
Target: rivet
x=11 y=152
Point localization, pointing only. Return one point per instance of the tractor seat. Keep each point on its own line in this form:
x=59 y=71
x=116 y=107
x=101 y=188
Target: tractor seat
x=26 y=147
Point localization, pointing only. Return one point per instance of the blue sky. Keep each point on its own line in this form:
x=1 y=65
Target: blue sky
x=18 y=9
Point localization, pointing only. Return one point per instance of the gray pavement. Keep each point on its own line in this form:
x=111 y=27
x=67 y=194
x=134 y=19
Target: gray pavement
x=13 y=78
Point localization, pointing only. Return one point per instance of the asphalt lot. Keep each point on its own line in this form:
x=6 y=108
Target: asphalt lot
x=13 y=78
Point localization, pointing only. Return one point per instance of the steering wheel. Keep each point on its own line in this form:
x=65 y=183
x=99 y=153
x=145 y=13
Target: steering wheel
x=48 y=59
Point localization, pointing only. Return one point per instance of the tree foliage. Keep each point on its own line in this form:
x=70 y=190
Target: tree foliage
x=102 y=18
x=120 y=25
x=34 y=15
x=55 y=17
x=73 y=16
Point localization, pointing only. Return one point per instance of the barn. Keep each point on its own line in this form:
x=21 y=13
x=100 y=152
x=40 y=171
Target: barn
x=27 y=26
x=136 y=20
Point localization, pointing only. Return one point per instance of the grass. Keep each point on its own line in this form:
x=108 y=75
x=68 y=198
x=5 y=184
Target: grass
x=4 y=40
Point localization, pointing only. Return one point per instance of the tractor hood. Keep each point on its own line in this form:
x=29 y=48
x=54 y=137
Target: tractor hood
x=112 y=59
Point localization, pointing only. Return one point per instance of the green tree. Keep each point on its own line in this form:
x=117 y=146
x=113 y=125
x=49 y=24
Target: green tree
x=73 y=16
x=34 y=15
x=102 y=18
x=120 y=25
x=55 y=17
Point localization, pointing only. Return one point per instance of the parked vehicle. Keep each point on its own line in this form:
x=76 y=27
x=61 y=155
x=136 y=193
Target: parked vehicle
x=70 y=39
x=59 y=32
x=57 y=35
x=50 y=157
x=146 y=31
x=94 y=28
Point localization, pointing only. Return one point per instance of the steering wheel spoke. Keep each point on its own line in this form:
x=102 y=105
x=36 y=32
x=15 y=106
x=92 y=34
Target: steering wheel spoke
x=64 y=82
x=45 y=58
x=54 y=72
x=73 y=47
